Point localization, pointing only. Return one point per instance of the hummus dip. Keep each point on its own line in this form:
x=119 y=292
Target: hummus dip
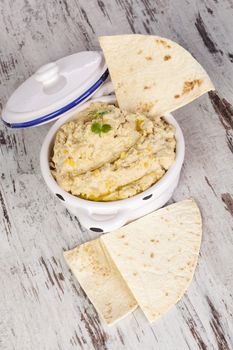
x=105 y=154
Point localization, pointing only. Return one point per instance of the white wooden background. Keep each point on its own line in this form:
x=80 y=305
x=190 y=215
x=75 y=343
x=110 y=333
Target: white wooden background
x=41 y=305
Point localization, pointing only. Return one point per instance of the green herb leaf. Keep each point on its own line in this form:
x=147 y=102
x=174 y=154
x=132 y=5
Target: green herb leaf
x=96 y=114
x=106 y=128
x=100 y=114
x=96 y=128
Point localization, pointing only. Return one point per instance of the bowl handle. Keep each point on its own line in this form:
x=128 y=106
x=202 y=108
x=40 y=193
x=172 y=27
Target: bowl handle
x=103 y=223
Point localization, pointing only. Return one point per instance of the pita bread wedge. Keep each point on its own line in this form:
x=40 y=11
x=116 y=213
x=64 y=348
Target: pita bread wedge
x=152 y=75
x=101 y=281
x=157 y=255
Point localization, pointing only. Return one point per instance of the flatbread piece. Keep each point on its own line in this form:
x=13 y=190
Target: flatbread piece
x=152 y=75
x=99 y=278
x=157 y=255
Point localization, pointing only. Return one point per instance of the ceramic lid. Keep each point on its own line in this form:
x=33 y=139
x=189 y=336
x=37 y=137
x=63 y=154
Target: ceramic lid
x=54 y=89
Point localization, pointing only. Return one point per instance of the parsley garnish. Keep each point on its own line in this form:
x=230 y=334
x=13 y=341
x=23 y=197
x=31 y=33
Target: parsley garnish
x=96 y=114
x=106 y=128
x=98 y=128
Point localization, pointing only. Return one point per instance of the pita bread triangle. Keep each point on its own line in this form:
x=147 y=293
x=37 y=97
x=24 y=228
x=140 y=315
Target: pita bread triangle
x=157 y=255
x=152 y=75
x=101 y=281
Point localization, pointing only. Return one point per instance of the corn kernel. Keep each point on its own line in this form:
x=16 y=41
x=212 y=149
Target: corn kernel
x=146 y=165
x=123 y=154
x=138 y=124
x=108 y=184
x=65 y=151
x=70 y=161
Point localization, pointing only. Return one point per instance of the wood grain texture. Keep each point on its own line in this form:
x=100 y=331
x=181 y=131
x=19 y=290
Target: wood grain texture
x=41 y=304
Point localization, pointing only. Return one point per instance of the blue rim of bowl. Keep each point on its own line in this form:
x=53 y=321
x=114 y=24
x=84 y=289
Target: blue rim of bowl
x=62 y=110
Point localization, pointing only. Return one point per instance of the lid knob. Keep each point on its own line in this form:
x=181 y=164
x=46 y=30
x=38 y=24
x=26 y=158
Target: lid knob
x=47 y=73
x=50 y=77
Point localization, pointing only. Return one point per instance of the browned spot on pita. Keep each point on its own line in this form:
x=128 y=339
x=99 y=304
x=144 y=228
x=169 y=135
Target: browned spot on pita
x=166 y=294
x=190 y=85
x=145 y=107
x=177 y=96
x=167 y=57
x=119 y=85
x=148 y=58
x=163 y=42
x=139 y=52
x=87 y=248
x=152 y=240
x=135 y=273
x=152 y=255
x=126 y=243
x=122 y=236
x=146 y=87
x=109 y=311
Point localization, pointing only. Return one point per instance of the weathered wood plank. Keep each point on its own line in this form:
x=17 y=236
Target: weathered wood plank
x=41 y=304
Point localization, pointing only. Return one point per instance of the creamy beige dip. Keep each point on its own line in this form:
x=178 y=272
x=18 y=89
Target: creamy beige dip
x=105 y=154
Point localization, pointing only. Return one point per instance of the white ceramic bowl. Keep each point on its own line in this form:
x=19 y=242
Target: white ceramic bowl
x=108 y=216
